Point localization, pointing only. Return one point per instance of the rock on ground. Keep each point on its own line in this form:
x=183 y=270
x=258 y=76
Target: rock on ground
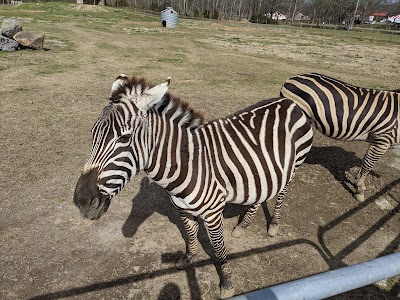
x=10 y=27
x=30 y=40
x=7 y=44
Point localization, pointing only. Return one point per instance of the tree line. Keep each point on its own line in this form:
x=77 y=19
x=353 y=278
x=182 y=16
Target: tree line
x=318 y=11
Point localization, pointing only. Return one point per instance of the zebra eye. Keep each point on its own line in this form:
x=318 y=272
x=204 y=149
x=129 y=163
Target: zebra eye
x=124 y=138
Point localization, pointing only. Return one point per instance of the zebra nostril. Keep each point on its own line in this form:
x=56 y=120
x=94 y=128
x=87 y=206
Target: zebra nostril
x=94 y=203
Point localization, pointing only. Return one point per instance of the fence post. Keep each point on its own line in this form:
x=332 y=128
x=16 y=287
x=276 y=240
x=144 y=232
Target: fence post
x=376 y=34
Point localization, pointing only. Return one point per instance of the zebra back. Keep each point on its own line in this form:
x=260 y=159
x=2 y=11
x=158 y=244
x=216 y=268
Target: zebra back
x=344 y=111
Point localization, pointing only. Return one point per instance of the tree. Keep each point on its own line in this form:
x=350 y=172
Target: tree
x=327 y=11
x=342 y=10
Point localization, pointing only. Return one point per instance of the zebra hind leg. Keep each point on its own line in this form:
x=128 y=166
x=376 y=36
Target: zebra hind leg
x=215 y=229
x=248 y=217
x=274 y=226
x=192 y=228
x=375 y=151
x=360 y=185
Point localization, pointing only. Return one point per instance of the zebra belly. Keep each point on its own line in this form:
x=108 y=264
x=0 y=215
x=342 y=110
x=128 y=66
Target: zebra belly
x=218 y=199
x=252 y=199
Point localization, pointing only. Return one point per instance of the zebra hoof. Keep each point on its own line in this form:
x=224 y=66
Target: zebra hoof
x=183 y=263
x=359 y=197
x=237 y=232
x=226 y=293
x=273 y=230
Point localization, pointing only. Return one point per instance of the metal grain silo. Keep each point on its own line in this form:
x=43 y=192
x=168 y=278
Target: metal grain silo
x=169 y=17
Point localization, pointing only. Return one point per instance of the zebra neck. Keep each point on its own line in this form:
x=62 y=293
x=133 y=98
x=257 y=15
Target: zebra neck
x=173 y=149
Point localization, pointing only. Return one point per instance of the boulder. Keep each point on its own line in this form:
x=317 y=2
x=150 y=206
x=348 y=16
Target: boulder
x=7 y=44
x=30 y=40
x=10 y=27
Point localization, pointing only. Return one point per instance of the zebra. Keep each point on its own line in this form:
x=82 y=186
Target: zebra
x=246 y=158
x=346 y=112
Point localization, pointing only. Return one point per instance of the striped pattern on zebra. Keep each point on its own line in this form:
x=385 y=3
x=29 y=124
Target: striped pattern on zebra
x=246 y=158
x=346 y=112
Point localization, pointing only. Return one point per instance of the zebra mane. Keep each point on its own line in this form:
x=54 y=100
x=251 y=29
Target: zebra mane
x=129 y=85
x=169 y=104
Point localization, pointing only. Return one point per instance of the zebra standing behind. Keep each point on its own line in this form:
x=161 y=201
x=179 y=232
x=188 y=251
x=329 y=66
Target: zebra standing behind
x=246 y=158
x=349 y=113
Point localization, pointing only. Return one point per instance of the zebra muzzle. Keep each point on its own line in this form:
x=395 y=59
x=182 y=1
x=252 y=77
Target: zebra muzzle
x=91 y=203
x=96 y=208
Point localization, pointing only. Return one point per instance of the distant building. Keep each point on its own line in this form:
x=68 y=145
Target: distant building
x=300 y=16
x=169 y=17
x=276 y=16
x=378 y=16
x=91 y=2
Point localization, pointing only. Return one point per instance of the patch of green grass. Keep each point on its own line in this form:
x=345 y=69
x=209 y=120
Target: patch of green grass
x=304 y=44
x=56 y=43
x=380 y=87
x=169 y=60
x=97 y=26
x=60 y=11
x=236 y=40
x=331 y=42
x=21 y=89
x=267 y=42
x=56 y=69
x=107 y=46
x=217 y=82
x=148 y=66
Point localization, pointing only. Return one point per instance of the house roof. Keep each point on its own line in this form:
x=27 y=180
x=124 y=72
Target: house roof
x=379 y=14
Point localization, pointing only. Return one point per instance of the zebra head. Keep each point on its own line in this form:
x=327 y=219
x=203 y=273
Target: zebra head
x=119 y=144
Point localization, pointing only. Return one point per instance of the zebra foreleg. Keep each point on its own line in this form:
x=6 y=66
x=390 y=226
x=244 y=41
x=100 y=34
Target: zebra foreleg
x=215 y=229
x=248 y=217
x=192 y=228
x=375 y=151
x=276 y=217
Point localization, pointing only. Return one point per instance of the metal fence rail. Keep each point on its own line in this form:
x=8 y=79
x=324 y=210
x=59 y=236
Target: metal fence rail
x=332 y=282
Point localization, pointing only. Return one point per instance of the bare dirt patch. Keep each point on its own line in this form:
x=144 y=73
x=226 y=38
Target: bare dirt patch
x=49 y=101
x=89 y=8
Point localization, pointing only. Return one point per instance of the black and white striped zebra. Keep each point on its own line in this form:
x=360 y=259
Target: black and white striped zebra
x=346 y=112
x=246 y=158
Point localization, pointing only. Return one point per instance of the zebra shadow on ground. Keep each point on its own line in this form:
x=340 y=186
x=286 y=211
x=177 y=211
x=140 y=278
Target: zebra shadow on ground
x=151 y=199
x=338 y=162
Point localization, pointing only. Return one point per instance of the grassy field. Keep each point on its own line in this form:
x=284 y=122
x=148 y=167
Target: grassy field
x=50 y=99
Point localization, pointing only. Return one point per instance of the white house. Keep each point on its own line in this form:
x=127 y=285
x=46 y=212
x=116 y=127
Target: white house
x=276 y=16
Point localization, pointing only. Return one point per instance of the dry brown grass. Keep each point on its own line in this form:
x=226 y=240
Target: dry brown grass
x=50 y=99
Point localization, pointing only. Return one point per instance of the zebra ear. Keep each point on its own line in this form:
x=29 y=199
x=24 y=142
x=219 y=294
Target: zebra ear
x=119 y=81
x=152 y=96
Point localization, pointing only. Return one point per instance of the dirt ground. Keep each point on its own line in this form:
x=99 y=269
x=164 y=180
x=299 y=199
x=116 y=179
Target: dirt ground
x=49 y=101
